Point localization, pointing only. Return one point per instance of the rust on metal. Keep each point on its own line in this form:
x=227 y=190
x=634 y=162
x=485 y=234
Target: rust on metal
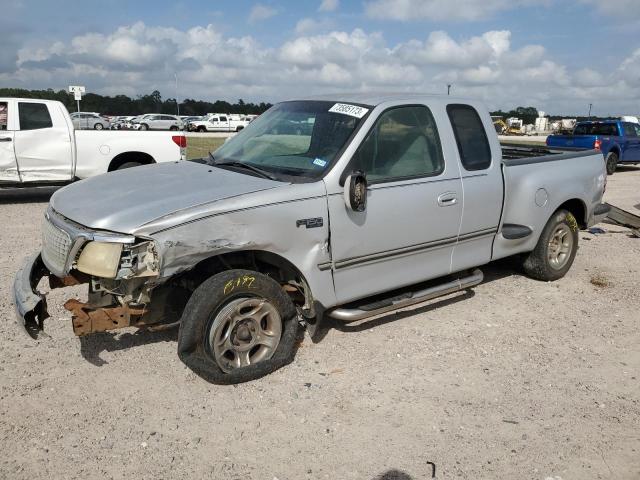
x=89 y=319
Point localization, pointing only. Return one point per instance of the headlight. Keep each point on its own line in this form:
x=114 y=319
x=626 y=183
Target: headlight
x=100 y=259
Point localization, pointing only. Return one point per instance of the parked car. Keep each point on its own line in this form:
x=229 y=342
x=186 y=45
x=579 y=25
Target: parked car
x=120 y=122
x=237 y=249
x=619 y=141
x=218 y=123
x=159 y=122
x=89 y=121
x=41 y=146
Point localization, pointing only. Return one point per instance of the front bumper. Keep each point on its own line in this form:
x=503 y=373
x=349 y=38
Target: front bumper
x=31 y=305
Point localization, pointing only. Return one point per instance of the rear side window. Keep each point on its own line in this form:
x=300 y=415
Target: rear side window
x=630 y=130
x=605 y=129
x=34 y=116
x=471 y=138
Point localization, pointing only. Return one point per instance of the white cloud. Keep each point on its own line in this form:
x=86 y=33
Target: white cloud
x=310 y=25
x=138 y=58
x=261 y=12
x=328 y=5
x=436 y=10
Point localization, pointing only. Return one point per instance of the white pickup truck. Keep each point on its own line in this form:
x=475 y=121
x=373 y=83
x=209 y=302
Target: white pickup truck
x=39 y=146
x=218 y=123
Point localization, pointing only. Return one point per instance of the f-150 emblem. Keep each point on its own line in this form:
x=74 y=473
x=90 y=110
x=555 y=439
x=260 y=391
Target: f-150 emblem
x=310 y=222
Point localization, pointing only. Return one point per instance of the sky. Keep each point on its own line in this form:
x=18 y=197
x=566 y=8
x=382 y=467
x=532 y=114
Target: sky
x=556 y=55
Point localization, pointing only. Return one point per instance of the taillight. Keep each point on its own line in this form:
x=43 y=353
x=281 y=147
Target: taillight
x=597 y=144
x=180 y=140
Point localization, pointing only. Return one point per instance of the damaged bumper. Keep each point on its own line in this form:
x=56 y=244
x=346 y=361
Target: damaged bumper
x=31 y=305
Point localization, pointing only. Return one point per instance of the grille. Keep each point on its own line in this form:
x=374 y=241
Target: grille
x=56 y=244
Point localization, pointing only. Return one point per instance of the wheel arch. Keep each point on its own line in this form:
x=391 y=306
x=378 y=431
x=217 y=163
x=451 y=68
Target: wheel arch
x=577 y=208
x=122 y=158
x=281 y=269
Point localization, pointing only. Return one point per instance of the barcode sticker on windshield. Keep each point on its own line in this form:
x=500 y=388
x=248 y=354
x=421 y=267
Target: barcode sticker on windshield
x=351 y=110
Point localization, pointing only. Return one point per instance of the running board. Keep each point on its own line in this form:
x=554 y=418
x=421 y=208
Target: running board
x=362 y=312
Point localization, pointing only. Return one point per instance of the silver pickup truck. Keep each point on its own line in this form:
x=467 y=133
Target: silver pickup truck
x=383 y=202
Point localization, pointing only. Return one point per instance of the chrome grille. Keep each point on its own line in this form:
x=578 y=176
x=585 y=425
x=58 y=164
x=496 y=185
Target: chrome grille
x=56 y=245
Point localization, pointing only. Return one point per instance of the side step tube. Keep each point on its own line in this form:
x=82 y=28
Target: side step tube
x=355 y=314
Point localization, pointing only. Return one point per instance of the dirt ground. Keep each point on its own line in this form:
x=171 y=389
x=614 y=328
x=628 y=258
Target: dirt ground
x=517 y=380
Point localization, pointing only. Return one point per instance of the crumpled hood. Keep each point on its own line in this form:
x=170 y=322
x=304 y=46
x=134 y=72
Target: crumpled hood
x=122 y=201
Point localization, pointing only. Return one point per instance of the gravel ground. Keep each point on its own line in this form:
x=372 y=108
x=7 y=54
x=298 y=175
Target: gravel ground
x=519 y=379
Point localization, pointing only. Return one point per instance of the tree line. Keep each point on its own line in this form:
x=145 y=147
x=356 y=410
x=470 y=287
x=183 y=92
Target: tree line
x=124 y=105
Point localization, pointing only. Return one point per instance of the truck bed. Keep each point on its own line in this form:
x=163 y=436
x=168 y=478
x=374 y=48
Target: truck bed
x=513 y=151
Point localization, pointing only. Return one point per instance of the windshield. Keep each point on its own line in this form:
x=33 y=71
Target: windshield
x=294 y=139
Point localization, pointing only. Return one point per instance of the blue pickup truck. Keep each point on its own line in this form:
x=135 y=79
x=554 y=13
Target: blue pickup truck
x=619 y=141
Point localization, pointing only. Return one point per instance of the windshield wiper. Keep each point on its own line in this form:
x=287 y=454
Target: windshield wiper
x=246 y=166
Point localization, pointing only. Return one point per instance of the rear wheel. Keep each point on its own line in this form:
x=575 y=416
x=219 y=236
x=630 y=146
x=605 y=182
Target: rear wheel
x=556 y=248
x=237 y=326
x=128 y=165
x=612 y=162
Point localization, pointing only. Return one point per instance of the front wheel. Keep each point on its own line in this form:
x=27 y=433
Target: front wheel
x=144 y=126
x=556 y=248
x=612 y=162
x=238 y=325
x=98 y=126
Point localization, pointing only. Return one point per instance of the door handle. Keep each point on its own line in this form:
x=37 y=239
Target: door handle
x=447 y=199
x=5 y=139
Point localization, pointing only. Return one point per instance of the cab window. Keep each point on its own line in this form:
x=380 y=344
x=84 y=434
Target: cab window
x=403 y=143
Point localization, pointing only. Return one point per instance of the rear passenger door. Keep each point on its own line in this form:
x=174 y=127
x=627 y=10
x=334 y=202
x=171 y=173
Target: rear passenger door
x=43 y=143
x=482 y=186
x=8 y=165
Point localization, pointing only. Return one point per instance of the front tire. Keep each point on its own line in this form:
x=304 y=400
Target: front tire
x=612 y=162
x=556 y=248
x=202 y=129
x=98 y=126
x=238 y=325
x=144 y=127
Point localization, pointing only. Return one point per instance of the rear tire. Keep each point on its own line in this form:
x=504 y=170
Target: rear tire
x=556 y=248
x=612 y=162
x=129 y=165
x=238 y=325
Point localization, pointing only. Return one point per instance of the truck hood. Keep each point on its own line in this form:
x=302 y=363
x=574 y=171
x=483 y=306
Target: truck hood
x=123 y=201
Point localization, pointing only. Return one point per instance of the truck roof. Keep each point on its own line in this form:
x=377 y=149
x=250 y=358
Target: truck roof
x=375 y=99
x=39 y=100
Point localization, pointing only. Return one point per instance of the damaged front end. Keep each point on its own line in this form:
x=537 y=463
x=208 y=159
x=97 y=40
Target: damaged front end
x=120 y=271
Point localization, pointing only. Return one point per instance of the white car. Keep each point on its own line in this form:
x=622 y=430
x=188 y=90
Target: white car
x=89 y=121
x=41 y=146
x=159 y=122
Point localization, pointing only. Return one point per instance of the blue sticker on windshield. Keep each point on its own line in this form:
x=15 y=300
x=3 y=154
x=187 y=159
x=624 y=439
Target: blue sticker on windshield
x=320 y=162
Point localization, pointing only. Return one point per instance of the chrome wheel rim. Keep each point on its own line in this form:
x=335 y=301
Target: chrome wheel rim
x=560 y=246
x=244 y=332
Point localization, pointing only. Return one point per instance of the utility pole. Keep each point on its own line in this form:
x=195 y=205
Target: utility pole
x=177 y=102
x=448 y=88
x=590 y=105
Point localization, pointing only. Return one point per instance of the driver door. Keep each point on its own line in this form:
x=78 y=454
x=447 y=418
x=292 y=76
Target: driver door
x=410 y=226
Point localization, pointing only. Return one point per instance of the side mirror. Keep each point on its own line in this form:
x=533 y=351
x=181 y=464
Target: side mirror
x=355 y=191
